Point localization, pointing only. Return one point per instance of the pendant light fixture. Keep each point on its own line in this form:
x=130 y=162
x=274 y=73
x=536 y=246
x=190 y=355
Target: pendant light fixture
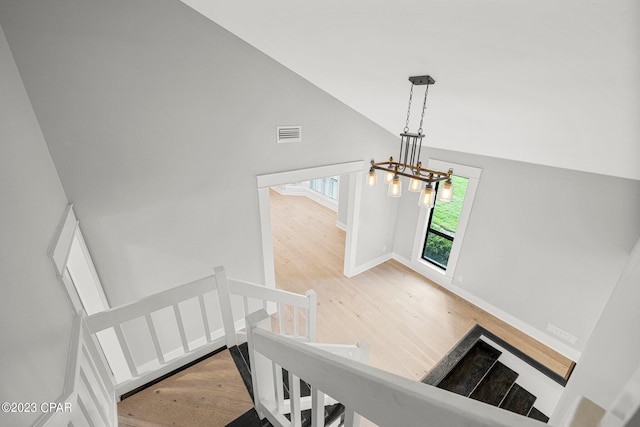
x=409 y=165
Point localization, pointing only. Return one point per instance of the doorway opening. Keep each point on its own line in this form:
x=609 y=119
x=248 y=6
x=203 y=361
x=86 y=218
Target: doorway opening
x=308 y=230
x=351 y=176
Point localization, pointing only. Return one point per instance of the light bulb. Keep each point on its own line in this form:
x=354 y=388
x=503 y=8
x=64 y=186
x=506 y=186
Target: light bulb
x=388 y=177
x=426 y=199
x=414 y=185
x=395 y=187
x=372 y=180
x=446 y=192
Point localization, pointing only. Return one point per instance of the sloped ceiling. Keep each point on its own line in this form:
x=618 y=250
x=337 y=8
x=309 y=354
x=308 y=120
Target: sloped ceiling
x=547 y=82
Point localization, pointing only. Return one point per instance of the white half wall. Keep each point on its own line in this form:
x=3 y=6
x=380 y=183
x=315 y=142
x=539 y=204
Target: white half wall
x=35 y=315
x=612 y=355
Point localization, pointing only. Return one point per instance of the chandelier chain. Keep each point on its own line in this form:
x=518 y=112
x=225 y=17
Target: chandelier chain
x=406 y=126
x=408 y=163
x=424 y=108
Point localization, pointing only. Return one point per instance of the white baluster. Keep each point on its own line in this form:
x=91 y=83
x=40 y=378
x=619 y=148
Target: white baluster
x=183 y=333
x=351 y=419
x=294 y=396
x=154 y=338
x=281 y=317
x=125 y=350
x=205 y=318
x=311 y=315
x=277 y=385
x=317 y=408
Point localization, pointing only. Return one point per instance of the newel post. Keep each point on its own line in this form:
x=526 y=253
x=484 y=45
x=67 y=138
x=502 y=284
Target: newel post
x=224 y=296
x=262 y=369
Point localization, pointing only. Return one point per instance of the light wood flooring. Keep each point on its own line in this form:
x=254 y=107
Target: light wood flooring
x=210 y=393
x=409 y=322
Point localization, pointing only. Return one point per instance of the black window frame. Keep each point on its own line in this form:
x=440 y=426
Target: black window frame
x=436 y=232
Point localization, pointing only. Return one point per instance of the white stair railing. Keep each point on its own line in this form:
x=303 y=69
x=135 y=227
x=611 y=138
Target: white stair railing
x=293 y=314
x=268 y=384
x=88 y=397
x=292 y=309
x=384 y=398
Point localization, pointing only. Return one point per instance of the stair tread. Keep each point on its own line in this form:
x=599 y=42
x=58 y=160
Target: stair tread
x=305 y=389
x=249 y=419
x=468 y=372
x=240 y=356
x=518 y=400
x=331 y=413
x=536 y=414
x=495 y=385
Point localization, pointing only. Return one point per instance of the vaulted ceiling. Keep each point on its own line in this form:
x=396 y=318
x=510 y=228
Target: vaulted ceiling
x=547 y=82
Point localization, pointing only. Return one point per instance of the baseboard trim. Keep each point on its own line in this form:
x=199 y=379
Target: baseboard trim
x=368 y=265
x=150 y=373
x=533 y=332
x=309 y=194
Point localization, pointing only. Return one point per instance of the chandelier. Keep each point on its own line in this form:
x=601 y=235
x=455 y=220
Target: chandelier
x=409 y=164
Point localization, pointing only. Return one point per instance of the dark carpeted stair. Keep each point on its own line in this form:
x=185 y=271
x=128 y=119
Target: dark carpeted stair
x=495 y=385
x=249 y=419
x=472 y=369
x=240 y=356
x=537 y=415
x=518 y=400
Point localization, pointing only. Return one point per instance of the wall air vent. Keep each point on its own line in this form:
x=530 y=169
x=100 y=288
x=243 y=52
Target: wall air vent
x=288 y=134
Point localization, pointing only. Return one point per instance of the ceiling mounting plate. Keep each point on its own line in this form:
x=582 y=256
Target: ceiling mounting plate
x=422 y=80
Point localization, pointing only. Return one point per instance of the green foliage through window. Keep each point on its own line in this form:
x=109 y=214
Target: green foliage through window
x=443 y=223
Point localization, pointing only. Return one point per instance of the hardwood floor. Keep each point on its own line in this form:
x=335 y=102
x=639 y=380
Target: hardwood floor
x=409 y=322
x=210 y=393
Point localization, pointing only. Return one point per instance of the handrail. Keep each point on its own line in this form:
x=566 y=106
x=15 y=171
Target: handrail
x=144 y=308
x=281 y=299
x=248 y=289
x=123 y=313
x=290 y=308
x=382 y=397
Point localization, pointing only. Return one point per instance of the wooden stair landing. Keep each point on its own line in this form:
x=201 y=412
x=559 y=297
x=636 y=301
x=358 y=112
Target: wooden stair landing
x=210 y=393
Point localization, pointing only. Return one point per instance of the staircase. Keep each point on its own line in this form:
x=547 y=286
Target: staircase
x=333 y=414
x=474 y=369
x=280 y=352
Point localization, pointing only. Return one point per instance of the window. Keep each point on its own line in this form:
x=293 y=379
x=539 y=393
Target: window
x=443 y=224
x=440 y=230
x=326 y=186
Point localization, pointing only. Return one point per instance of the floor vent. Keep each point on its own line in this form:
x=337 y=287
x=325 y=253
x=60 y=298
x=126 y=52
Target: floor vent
x=288 y=134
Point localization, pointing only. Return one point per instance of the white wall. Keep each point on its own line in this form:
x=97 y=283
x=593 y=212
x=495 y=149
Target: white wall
x=158 y=121
x=613 y=352
x=343 y=200
x=34 y=313
x=378 y=216
x=544 y=245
